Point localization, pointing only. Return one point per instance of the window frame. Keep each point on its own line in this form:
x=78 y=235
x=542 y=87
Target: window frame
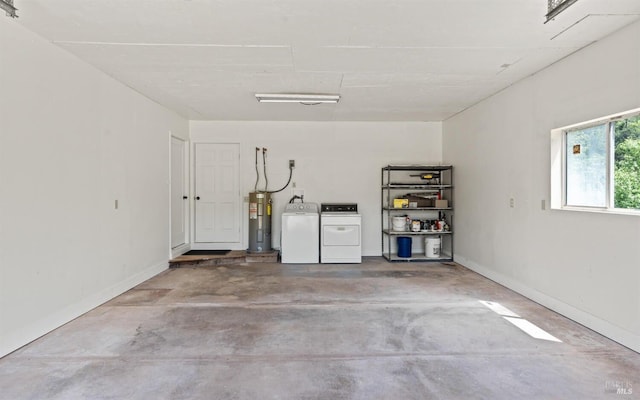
x=559 y=165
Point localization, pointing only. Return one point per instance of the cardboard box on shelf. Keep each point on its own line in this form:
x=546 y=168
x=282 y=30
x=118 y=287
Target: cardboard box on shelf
x=422 y=200
x=442 y=203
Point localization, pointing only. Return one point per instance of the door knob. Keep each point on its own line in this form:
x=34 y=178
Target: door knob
x=184 y=197
x=197 y=197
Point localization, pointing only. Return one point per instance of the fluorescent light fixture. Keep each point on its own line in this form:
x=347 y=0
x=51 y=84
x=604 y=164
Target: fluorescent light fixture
x=555 y=7
x=7 y=5
x=297 y=98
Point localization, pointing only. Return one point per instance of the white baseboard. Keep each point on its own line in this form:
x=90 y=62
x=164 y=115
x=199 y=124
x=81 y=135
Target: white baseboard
x=20 y=337
x=180 y=250
x=603 y=327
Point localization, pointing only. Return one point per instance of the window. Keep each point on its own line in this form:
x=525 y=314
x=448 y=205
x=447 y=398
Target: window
x=596 y=165
x=586 y=167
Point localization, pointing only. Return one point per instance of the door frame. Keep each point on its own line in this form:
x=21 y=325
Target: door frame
x=186 y=246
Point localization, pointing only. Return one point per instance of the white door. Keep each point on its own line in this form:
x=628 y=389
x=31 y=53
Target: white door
x=217 y=193
x=179 y=199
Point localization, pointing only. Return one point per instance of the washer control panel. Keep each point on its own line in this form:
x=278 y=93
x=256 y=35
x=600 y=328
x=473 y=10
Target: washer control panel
x=301 y=207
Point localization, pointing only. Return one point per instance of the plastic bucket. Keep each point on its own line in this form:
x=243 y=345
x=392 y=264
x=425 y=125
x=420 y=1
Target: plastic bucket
x=399 y=224
x=432 y=247
x=404 y=246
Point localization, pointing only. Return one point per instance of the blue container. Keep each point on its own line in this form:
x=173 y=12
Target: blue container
x=404 y=246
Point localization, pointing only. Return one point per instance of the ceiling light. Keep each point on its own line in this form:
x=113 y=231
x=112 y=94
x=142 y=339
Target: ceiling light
x=555 y=7
x=297 y=98
x=7 y=5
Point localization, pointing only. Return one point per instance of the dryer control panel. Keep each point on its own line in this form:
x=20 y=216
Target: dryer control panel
x=339 y=207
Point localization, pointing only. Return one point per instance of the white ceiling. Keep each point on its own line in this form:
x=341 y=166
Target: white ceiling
x=390 y=60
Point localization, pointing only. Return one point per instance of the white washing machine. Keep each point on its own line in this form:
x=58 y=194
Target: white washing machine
x=300 y=242
x=340 y=233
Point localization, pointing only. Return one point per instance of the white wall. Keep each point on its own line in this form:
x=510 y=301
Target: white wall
x=72 y=141
x=584 y=265
x=335 y=161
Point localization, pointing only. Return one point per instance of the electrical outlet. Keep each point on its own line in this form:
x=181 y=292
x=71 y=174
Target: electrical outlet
x=292 y=163
x=512 y=202
x=543 y=204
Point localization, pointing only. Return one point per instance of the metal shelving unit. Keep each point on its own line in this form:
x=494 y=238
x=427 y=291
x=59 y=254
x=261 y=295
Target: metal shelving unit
x=402 y=180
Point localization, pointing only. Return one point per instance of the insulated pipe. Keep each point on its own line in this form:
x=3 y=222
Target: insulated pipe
x=264 y=164
x=255 y=188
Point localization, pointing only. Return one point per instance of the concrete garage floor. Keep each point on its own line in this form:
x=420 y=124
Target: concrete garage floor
x=271 y=331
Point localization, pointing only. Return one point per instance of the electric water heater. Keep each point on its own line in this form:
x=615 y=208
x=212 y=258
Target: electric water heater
x=259 y=222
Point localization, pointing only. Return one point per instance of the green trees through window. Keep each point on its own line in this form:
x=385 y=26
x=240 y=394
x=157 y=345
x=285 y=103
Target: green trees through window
x=627 y=163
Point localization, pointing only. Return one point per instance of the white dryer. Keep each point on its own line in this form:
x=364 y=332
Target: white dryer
x=340 y=233
x=300 y=242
